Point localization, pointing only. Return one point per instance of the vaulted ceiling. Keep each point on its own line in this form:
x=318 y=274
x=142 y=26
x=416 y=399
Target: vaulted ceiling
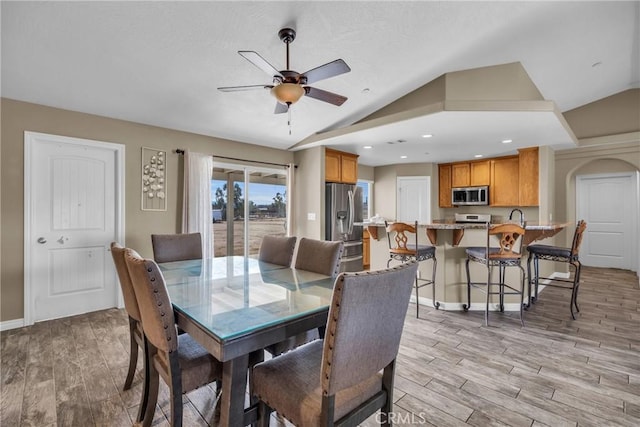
x=160 y=63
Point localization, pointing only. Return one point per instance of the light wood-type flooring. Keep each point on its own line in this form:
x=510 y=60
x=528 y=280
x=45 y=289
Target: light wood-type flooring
x=451 y=371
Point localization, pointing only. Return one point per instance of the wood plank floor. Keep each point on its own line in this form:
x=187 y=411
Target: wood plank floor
x=452 y=371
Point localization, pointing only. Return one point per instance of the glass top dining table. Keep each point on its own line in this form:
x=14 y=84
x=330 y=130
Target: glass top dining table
x=236 y=306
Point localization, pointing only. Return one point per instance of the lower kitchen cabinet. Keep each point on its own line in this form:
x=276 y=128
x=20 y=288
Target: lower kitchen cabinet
x=366 y=249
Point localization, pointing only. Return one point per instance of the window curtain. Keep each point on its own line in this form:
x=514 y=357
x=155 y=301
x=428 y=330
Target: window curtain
x=196 y=199
x=290 y=197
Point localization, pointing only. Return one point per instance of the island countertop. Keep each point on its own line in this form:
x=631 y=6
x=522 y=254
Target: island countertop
x=533 y=230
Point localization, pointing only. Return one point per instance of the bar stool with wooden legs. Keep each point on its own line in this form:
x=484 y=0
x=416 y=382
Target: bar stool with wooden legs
x=400 y=249
x=507 y=254
x=558 y=254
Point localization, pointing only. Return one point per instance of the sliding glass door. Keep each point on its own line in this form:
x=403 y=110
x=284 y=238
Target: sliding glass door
x=248 y=202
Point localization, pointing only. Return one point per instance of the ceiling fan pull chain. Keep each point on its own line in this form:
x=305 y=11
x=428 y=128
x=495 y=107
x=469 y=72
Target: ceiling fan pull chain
x=289 y=116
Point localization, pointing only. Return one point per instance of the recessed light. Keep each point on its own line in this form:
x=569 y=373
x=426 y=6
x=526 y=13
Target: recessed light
x=507 y=141
x=596 y=64
x=403 y=157
x=478 y=156
x=366 y=147
x=427 y=135
x=365 y=90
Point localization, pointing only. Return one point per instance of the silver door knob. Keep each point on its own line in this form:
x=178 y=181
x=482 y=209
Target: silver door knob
x=42 y=240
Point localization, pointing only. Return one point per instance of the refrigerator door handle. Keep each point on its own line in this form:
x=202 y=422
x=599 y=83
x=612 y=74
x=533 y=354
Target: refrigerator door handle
x=351 y=211
x=350 y=244
x=352 y=258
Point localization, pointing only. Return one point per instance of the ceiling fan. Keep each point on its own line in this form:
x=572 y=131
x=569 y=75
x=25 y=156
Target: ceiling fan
x=288 y=85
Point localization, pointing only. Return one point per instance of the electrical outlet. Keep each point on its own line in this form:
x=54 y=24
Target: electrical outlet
x=311 y=216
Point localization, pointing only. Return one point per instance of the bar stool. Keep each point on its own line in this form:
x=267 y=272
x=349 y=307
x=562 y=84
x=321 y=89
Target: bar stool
x=501 y=256
x=401 y=250
x=558 y=254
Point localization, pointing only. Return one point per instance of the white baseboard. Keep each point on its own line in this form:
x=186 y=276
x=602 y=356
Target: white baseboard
x=11 y=324
x=480 y=306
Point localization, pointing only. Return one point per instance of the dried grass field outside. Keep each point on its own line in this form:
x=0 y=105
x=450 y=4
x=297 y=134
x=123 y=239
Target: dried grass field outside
x=257 y=229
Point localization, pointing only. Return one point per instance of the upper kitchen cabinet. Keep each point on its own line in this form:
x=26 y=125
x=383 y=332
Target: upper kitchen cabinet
x=470 y=174
x=512 y=180
x=480 y=173
x=504 y=188
x=340 y=167
x=528 y=177
x=444 y=179
x=460 y=175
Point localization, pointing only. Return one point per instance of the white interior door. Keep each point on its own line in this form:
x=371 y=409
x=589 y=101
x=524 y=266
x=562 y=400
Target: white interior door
x=73 y=208
x=413 y=201
x=609 y=205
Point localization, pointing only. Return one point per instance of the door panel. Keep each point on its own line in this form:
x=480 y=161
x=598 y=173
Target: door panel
x=607 y=203
x=73 y=201
x=414 y=199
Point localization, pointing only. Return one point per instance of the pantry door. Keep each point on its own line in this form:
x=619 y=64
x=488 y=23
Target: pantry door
x=74 y=209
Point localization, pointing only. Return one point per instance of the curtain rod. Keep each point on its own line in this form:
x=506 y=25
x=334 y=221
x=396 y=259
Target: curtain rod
x=181 y=151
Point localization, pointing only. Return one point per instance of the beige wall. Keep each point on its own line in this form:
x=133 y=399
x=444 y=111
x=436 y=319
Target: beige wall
x=309 y=193
x=613 y=115
x=18 y=117
x=609 y=142
x=606 y=158
x=366 y=172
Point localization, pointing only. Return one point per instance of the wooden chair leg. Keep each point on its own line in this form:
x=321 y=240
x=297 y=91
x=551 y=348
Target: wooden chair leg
x=176 y=390
x=152 y=397
x=133 y=354
x=387 y=384
x=264 y=414
x=146 y=384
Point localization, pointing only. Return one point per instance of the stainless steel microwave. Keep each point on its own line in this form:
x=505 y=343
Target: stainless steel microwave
x=470 y=195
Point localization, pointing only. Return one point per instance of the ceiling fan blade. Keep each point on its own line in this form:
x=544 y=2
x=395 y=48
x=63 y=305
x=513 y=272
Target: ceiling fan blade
x=323 y=95
x=327 y=70
x=280 y=108
x=260 y=62
x=240 y=88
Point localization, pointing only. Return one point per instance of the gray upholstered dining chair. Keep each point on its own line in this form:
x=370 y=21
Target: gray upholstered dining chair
x=176 y=247
x=349 y=375
x=558 y=254
x=179 y=360
x=318 y=256
x=131 y=307
x=277 y=250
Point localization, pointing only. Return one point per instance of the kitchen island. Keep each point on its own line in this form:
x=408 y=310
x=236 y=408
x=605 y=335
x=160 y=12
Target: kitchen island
x=451 y=238
x=533 y=230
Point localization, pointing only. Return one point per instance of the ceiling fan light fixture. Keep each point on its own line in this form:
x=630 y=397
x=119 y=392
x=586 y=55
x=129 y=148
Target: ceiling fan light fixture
x=288 y=93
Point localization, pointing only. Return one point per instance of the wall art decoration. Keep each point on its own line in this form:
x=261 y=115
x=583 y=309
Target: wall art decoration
x=154 y=170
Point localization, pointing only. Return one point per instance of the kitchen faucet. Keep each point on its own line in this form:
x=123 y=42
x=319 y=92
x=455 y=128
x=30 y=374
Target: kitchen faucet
x=521 y=215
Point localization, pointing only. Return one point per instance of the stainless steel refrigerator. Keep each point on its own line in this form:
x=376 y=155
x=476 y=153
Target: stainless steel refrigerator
x=343 y=216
